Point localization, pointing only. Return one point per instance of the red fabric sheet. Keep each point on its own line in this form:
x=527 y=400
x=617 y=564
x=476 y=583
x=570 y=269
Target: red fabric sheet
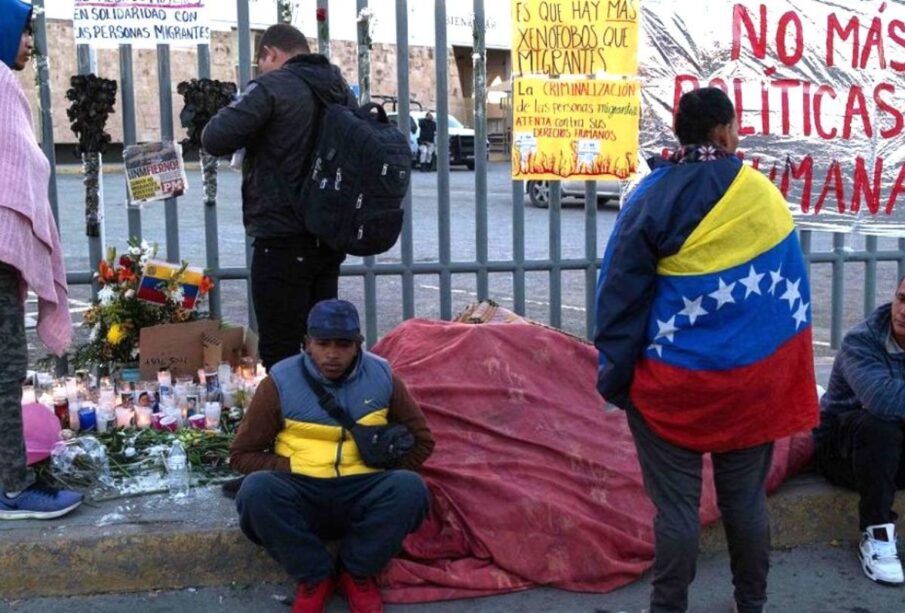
x=533 y=482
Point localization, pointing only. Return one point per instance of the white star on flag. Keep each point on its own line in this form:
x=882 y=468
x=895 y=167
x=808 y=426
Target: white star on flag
x=776 y=277
x=724 y=294
x=752 y=282
x=693 y=308
x=791 y=294
x=667 y=329
x=656 y=347
x=801 y=315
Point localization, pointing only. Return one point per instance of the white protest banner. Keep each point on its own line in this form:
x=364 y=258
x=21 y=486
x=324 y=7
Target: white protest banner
x=154 y=171
x=819 y=90
x=107 y=23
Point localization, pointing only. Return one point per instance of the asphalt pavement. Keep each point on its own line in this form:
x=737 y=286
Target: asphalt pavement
x=823 y=578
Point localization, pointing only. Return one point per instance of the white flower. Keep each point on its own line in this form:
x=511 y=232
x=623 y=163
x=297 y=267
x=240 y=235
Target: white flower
x=106 y=295
x=143 y=261
x=129 y=452
x=134 y=353
x=145 y=246
x=134 y=250
x=95 y=332
x=177 y=295
x=130 y=293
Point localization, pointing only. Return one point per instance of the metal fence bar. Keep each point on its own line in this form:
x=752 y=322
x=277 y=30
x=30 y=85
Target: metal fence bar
x=870 y=275
x=323 y=29
x=518 y=247
x=837 y=290
x=590 y=252
x=555 y=231
x=44 y=96
x=402 y=74
x=441 y=62
x=243 y=32
x=479 y=61
x=171 y=211
x=87 y=64
x=127 y=108
x=364 y=85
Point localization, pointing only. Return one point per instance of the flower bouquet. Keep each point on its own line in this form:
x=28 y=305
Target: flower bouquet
x=122 y=309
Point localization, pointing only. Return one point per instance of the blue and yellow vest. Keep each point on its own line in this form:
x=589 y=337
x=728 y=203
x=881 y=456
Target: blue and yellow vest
x=316 y=445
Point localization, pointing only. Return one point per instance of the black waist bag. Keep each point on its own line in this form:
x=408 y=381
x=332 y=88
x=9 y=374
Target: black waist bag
x=379 y=446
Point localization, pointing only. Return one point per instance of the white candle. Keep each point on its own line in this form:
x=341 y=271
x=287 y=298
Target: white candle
x=28 y=394
x=212 y=415
x=123 y=417
x=142 y=417
x=72 y=389
x=224 y=373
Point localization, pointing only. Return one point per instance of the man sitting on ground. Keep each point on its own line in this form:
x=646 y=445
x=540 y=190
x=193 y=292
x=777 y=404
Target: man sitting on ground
x=308 y=482
x=861 y=434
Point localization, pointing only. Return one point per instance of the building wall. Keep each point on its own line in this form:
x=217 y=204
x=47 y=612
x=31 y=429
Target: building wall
x=224 y=66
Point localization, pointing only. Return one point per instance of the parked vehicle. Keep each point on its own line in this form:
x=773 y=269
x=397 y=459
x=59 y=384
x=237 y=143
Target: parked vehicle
x=538 y=192
x=461 y=139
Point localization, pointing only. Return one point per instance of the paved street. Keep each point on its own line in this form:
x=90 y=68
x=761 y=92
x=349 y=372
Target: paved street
x=810 y=579
x=425 y=248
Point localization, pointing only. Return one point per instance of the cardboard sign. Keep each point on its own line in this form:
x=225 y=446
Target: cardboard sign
x=186 y=348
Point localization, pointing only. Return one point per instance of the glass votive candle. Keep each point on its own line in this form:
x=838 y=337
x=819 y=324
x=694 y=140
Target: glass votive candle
x=104 y=418
x=28 y=394
x=143 y=417
x=75 y=421
x=212 y=415
x=169 y=423
x=197 y=421
x=123 y=417
x=87 y=419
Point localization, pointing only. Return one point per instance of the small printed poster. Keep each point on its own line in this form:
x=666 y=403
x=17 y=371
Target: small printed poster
x=155 y=171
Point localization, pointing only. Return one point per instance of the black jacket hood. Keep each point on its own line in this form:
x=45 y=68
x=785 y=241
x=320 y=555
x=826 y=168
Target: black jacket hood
x=324 y=78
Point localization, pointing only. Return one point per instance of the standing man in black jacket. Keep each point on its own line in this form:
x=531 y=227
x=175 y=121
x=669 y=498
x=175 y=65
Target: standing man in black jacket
x=276 y=122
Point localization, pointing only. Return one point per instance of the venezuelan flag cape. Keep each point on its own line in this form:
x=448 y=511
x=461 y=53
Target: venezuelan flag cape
x=703 y=309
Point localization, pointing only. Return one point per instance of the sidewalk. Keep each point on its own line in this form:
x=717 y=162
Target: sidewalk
x=151 y=542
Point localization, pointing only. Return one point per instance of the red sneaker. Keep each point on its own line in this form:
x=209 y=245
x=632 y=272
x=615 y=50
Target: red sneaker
x=313 y=598
x=362 y=593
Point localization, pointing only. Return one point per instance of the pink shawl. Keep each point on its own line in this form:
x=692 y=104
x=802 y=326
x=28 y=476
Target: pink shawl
x=29 y=240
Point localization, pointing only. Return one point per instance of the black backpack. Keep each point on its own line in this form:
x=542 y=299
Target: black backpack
x=360 y=172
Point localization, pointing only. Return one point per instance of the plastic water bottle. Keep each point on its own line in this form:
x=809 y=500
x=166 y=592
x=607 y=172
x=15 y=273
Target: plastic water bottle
x=177 y=471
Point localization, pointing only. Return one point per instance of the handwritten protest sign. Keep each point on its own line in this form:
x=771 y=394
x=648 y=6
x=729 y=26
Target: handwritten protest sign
x=141 y=22
x=819 y=90
x=154 y=171
x=575 y=37
x=575 y=128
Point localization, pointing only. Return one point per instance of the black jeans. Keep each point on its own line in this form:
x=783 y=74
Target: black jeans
x=862 y=452
x=672 y=479
x=291 y=516
x=14 y=475
x=286 y=281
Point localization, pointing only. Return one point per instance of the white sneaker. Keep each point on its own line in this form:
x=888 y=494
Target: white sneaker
x=878 y=555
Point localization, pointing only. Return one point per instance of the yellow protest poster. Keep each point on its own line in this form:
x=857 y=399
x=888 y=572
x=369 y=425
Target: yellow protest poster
x=575 y=37
x=585 y=129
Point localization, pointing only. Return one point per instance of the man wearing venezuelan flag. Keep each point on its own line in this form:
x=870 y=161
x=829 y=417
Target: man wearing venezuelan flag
x=704 y=338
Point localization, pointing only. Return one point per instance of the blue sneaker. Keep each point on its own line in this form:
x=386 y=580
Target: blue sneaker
x=39 y=502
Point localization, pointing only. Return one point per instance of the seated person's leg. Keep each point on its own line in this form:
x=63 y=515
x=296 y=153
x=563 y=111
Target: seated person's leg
x=283 y=512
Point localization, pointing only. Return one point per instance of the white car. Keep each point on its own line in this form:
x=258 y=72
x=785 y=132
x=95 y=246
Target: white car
x=461 y=139
x=538 y=192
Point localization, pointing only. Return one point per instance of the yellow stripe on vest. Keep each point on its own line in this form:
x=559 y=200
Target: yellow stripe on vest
x=750 y=218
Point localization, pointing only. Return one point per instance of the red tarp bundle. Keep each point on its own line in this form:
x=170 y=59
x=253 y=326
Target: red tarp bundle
x=533 y=482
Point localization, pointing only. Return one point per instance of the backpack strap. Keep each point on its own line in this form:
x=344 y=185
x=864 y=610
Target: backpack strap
x=327 y=401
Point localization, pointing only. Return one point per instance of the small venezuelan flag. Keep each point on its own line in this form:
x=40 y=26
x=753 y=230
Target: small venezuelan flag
x=157 y=274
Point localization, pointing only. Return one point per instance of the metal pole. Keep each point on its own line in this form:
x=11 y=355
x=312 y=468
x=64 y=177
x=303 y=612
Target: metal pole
x=209 y=172
x=127 y=92
x=870 y=276
x=402 y=75
x=44 y=95
x=555 y=229
x=243 y=32
x=87 y=64
x=171 y=213
x=479 y=61
x=590 y=252
x=323 y=28
x=364 y=84
x=837 y=303
x=441 y=61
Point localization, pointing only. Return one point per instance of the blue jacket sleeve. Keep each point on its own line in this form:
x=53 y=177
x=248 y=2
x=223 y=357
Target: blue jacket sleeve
x=625 y=291
x=868 y=371
x=236 y=125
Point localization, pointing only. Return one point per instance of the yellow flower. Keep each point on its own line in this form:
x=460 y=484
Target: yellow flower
x=116 y=334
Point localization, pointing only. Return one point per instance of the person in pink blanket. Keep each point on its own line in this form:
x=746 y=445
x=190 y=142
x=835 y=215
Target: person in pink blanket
x=30 y=257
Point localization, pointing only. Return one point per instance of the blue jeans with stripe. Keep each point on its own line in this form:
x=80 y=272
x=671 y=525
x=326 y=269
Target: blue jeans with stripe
x=292 y=516
x=672 y=479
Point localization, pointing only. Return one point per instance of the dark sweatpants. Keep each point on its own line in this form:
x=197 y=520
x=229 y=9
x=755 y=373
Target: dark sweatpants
x=672 y=479
x=14 y=475
x=292 y=515
x=862 y=452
